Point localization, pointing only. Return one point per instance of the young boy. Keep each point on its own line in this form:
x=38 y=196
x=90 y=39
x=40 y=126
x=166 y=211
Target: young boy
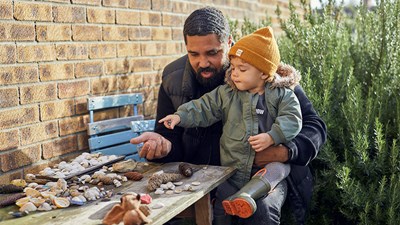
x=255 y=113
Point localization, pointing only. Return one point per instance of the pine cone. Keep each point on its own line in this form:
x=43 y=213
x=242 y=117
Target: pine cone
x=10 y=188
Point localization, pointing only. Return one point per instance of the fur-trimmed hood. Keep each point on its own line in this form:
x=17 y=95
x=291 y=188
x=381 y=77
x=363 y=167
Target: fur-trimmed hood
x=286 y=76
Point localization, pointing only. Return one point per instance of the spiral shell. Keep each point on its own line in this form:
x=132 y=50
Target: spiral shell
x=136 y=176
x=185 y=169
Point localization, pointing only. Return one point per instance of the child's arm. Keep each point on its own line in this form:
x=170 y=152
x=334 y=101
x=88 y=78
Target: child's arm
x=170 y=121
x=261 y=141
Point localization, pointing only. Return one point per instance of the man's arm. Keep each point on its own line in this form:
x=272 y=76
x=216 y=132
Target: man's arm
x=306 y=145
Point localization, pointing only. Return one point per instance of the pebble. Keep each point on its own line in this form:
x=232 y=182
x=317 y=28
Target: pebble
x=157 y=206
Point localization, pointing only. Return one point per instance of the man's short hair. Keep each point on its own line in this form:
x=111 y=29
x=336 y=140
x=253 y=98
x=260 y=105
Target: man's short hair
x=204 y=21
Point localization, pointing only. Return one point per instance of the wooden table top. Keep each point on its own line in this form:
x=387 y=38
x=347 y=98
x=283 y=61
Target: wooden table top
x=94 y=211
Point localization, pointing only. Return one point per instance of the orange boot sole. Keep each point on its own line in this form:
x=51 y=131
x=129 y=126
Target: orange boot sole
x=238 y=207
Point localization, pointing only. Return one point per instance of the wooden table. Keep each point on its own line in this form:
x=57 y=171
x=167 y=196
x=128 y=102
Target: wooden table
x=196 y=202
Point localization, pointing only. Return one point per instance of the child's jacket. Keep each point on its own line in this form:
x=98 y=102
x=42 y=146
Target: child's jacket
x=237 y=111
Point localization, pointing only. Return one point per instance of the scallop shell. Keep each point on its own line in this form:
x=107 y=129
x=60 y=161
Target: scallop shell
x=37 y=201
x=44 y=207
x=22 y=201
x=61 y=202
x=29 y=206
x=31 y=192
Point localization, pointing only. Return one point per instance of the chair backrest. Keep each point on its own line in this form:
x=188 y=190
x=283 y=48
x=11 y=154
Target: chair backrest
x=111 y=136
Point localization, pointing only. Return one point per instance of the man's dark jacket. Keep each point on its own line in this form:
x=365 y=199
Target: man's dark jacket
x=201 y=145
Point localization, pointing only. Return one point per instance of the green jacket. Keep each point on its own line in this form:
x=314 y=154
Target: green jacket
x=237 y=111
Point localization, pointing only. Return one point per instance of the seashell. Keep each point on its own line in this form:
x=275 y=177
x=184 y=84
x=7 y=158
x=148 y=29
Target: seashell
x=178 y=191
x=37 y=201
x=159 y=191
x=169 y=192
x=124 y=179
x=117 y=183
x=29 y=207
x=196 y=183
x=62 y=184
x=185 y=169
x=47 y=194
x=18 y=182
x=170 y=185
x=61 y=202
x=124 y=166
x=186 y=187
x=22 y=201
x=77 y=201
x=136 y=176
x=74 y=193
x=11 y=199
x=94 y=181
x=98 y=174
x=47 y=172
x=10 y=188
x=44 y=207
x=33 y=185
x=85 y=164
x=178 y=183
x=85 y=178
x=31 y=192
x=112 y=175
x=158 y=205
x=30 y=176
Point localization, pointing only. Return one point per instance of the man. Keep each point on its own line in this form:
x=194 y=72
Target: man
x=207 y=38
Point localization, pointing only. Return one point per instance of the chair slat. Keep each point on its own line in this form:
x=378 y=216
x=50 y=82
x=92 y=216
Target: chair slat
x=126 y=149
x=102 y=102
x=111 y=125
x=111 y=139
x=142 y=125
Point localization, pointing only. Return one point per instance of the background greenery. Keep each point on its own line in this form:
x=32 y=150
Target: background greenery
x=350 y=64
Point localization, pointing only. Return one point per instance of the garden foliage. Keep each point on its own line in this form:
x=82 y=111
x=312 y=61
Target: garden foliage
x=350 y=64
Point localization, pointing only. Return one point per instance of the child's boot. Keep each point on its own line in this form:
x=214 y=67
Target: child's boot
x=243 y=203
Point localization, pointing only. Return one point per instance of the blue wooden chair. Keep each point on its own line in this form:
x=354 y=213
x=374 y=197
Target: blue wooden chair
x=111 y=136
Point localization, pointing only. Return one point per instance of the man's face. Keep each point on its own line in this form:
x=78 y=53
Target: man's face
x=208 y=58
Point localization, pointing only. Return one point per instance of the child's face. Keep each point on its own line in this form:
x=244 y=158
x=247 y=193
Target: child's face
x=246 y=77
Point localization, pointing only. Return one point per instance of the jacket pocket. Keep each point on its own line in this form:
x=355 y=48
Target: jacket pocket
x=234 y=131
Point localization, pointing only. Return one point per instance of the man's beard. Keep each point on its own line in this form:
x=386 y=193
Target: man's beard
x=215 y=80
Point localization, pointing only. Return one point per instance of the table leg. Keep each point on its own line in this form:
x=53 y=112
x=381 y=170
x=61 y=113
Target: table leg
x=203 y=210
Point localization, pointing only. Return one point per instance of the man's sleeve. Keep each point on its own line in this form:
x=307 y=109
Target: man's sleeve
x=306 y=145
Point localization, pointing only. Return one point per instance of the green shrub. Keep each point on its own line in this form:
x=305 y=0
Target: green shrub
x=350 y=65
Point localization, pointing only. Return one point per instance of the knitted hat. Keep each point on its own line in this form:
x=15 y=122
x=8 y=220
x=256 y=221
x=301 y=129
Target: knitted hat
x=258 y=49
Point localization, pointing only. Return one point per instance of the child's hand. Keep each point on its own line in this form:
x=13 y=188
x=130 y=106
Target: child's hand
x=260 y=142
x=170 y=121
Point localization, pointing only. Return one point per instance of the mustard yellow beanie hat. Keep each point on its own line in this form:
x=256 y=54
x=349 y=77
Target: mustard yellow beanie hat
x=258 y=49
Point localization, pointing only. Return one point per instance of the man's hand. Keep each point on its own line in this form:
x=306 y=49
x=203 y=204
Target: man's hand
x=154 y=146
x=278 y=153
x=261 y=141
x=170 y=121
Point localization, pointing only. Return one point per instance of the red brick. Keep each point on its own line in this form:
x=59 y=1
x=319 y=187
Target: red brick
x=150 y=18
x=6 y=10
x=117 y=66
x=128 y=17
x=89 y=69
x=17 y=32
x=73 y=125
x=18 y=74
x=53 y=32
x=18 y=117
x=60 y=147
x=97 y=15
x=38 y=132
x=73 y=89
x=97 y=51
x=140 y=4
x=128 y=49
x=130 y=81
x=163 y=33
x=6 y=178
x=38 y=93
x=104 y=85
x=139 y=33
x=9 y=97
x=68 y=14
x=9 y=139
x=140 y=65
x=118 y=3
x=58 y=71
x=115 y=33
x=81 y=106
x=86 y=33
x=83 y=143
x=71 y=51
x=19 y=158
x=87 y=2
x=56 y=109
x=36 y=53
x=32 y=11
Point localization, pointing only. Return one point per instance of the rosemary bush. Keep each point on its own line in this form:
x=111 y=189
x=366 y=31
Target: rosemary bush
x=350 y=65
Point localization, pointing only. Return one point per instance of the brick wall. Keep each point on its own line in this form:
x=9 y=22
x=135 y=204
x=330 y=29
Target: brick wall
x=56 y=53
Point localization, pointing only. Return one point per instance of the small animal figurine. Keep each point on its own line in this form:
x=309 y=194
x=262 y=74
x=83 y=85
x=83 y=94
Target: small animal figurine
x=129 y=211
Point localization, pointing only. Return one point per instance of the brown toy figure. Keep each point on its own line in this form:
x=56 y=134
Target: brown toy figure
x=129 y=211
